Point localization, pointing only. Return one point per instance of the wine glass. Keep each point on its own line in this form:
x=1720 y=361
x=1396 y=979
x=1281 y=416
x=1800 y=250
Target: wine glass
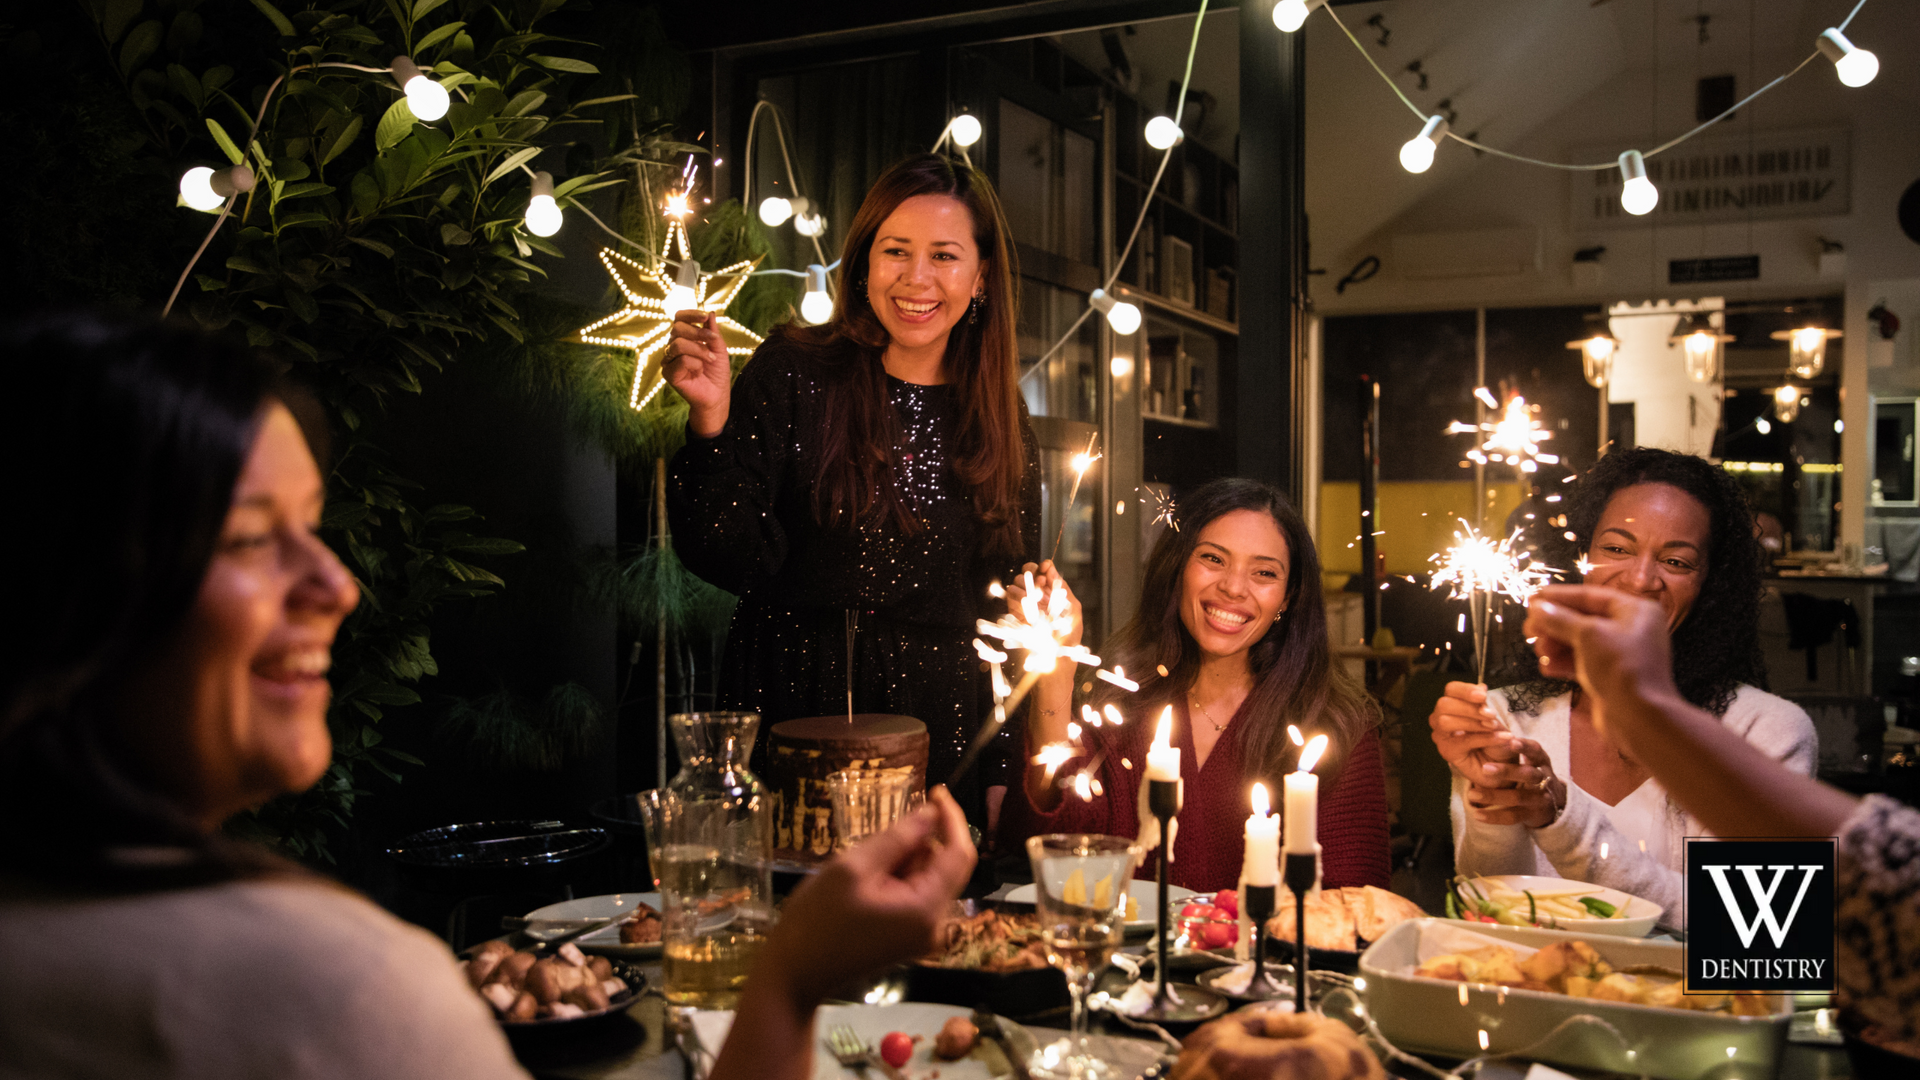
x=1081 y=886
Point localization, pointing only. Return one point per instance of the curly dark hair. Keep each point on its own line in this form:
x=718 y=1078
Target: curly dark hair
x=1717 y=647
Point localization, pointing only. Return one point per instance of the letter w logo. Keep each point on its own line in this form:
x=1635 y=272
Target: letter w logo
x=1763 y=898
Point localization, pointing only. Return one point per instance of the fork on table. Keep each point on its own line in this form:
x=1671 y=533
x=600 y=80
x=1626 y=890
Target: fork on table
x=852 y=1052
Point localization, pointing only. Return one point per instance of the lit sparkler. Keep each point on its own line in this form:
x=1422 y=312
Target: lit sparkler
x=1479 y=570
x=1080 y=462
x=1162 y=508
x=1514 y=438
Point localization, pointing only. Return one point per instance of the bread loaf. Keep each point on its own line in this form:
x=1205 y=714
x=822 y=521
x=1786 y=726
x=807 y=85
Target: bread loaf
x=1267 y=1043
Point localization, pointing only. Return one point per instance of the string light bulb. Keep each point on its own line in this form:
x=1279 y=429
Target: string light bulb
x=1291 y=15
x=205 y=189
x=1786 y=404
x=426 y=99
x=965 y=129
x=1122 y=316
x=1638 y=196
x=1163 y=133
x=816 y=307
x=682 y=297
x=806 y=220
x=543 y=214
x=1416 y=155
x=774 y=211
x=1761 y=425
x=1855 y=65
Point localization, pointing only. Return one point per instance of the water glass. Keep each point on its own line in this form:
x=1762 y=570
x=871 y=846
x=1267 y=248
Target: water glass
x=715 y=909
x=1081 y=885
x=868 y=801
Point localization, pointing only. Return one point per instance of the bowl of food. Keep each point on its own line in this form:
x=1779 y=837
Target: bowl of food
x=1550 y=904
x=531 y=989
x=989 y=957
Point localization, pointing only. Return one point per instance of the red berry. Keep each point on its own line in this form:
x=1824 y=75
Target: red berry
x=895 y=1049
x=1219 y=935
x=1194 y=910
x=1228 y=901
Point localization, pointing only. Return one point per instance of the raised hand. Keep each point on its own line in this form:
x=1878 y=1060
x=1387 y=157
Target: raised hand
x=1524 y=791
x=1467 y=733
x=696 y=365
x=1046 y=577
x=1614 y=644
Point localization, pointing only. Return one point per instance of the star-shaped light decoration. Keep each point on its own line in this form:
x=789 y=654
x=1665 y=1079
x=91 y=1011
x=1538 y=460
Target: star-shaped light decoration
x=645 y=323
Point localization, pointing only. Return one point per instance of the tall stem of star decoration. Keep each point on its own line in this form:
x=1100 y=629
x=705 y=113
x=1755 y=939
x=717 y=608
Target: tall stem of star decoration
x=1479 y=570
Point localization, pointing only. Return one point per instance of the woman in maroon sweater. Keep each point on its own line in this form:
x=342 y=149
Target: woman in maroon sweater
x=1232 y=633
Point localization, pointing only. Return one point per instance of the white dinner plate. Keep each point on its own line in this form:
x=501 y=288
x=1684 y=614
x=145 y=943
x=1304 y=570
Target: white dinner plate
x=1638 y=921
x=872 y=1023
x=1145 y=895
x=605 y=942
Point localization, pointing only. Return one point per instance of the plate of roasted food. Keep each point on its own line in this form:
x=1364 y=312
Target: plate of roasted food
x=1550 y=904
x=1340 y=922
x=635 y=937
x=1606 y=1002
x=529 y=989
x=992 y=957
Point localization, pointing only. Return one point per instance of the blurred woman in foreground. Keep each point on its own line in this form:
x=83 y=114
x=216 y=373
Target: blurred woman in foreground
x=1616 y=646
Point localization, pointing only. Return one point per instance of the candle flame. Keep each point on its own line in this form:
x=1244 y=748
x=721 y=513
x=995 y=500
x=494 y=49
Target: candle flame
x=1294 y=734
x=1163 y=734
x=1310 y=757
x=1262 y=806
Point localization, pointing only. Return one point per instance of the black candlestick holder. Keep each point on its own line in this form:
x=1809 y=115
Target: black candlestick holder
x=1190 y=1003
x=1300 y=872
x=1259 y=902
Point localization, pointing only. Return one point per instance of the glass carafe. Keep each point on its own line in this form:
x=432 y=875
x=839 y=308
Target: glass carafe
x=710 y=859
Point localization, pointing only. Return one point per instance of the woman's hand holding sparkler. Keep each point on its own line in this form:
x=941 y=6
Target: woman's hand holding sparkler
x=1050 y=723
x=1467 y=733
x=1046 y=579
x=1523 y=791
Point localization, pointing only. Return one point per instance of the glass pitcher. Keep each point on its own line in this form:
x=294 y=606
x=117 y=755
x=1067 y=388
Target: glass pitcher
x=710 y=842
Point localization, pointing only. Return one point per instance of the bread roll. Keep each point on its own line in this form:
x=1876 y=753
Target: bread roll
x=1329 y=921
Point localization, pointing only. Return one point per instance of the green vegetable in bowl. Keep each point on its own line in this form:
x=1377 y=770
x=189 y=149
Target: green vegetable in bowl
x=1600 y=908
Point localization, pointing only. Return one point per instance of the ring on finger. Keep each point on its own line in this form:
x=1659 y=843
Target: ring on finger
x=1541 y=784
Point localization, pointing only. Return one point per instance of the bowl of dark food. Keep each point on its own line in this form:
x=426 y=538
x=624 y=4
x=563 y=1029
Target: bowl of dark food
x=992 y=958
x=536 y=989
x=495 y=853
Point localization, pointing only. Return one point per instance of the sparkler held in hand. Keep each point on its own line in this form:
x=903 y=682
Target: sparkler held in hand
x=1480 y=570
x=1513 y=438
x=1080 y=462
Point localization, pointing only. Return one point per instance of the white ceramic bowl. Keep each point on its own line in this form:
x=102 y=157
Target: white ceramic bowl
x=1637 y=921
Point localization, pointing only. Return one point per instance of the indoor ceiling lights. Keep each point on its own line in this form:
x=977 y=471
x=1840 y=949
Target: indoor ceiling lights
x=1597 y=351
x=1786 y=403
x=1697 y=335
x=1806 y=348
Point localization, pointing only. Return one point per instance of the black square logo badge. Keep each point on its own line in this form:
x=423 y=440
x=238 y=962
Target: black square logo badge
x=1759 y=915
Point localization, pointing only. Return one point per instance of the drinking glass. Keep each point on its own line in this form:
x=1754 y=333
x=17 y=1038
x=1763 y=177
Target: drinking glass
x=716 y=910
x=867 y=801
x=1081 y=886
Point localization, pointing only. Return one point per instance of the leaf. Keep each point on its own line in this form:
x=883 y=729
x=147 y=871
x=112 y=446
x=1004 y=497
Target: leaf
x=524 y=102
x=590 y=102
x=216 y=77
x=301 y=304
x=118 y=16
x=139 y=46
x=185 y=84
x=423 y=8
x=247 y=266
x=227 y=146
x=435 y=37
x=185 y=33
x=565 y=63
x=340 y=144
x=366 y=196
x=454 y=236
x=393 y=126
x=513 y=161
x=303 y=219
x=372 y=245
x=275 y=16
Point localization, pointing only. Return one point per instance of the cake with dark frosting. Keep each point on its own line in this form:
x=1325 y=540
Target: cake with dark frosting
x=803 y=753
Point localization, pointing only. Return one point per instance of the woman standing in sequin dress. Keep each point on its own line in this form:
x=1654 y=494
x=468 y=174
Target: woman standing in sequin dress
x=881 y=463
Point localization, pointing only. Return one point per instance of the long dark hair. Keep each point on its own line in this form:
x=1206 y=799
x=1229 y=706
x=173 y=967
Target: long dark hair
x=132 y=434
x=856 y=464
x=1296 y=680
x=1717 y=647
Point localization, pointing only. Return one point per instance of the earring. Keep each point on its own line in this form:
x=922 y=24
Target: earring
x=973 y=309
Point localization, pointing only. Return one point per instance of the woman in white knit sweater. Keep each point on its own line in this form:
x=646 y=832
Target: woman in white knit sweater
x=1537 y=787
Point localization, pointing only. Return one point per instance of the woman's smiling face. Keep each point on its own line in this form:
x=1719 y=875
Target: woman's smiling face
x=1652 y=541
x=1235 y=582
x=923 y=271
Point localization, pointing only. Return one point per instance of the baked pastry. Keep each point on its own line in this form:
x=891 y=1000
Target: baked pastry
x=1375 y=911
x=1268 y=1043
x=1329 y=920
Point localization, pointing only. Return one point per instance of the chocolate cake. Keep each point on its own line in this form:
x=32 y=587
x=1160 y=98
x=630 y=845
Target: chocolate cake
x=804 y=752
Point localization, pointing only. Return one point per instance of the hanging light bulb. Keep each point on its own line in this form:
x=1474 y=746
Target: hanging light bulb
x=1855 y=65
x=682 y=297
x=1596 y=354
x=1761 y=425
x=543 y=214
x=1701 y=341
x=816 y=307
x=426 y=99
x=1122 y=316
x=965 y=129
x=1162 y=132
x=1806 y=348
x=1291 y=15
x=1416 y=155
x=204 y=189
x=806 y=220
x=1638 y=195
x=1786 y=403
x=775 y=211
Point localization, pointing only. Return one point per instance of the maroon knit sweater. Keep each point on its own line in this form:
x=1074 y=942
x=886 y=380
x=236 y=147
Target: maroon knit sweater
x=1211 y=840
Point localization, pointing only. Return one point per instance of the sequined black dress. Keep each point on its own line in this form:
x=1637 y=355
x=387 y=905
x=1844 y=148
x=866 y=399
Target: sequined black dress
x=742 y=518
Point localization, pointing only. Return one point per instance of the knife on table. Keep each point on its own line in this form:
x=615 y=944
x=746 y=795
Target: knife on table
x=990 y=1028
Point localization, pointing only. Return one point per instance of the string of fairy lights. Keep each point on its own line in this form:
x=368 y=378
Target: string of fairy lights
x=214 y=190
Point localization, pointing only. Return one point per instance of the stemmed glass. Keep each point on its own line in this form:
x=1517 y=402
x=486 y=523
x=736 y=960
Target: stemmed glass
x=1081 y=885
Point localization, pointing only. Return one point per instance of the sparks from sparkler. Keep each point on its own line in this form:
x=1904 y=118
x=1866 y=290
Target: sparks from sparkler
x=1080 y=463
x=1514 y=438
x=1162 y=508
x=1479 y=570
x=679 y=200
